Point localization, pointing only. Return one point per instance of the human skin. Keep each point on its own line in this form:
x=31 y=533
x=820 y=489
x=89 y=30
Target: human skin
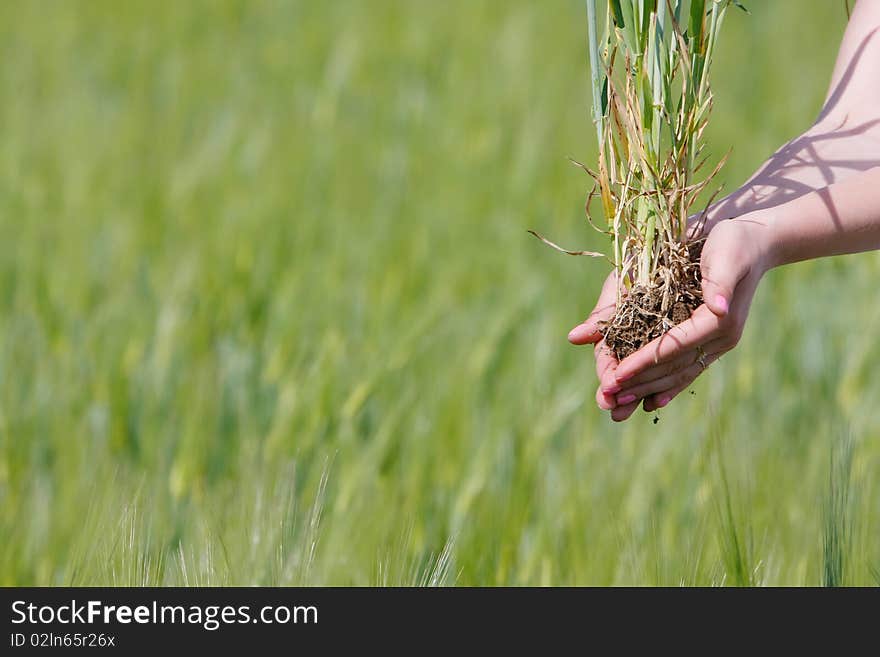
x=818 y=195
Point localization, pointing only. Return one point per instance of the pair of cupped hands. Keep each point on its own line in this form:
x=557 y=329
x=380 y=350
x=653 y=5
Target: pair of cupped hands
x=745 y=237
x=732 y=264
x=759 y=226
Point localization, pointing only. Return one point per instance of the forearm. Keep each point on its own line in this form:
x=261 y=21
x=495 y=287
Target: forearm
x=818 y=158
x=844 y=141
x=854 y=93
x=838 y=219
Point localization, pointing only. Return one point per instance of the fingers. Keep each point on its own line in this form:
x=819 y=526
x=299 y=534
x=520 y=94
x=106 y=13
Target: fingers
x=662 y=385
x=606 y=364
x=603 y=401
x=587 y=332
x=702 y=327
x=661 y=399
x=621 y=413
x=654 y=394
x=677 y=364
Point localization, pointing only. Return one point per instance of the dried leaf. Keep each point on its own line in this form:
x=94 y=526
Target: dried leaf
x=592 y=254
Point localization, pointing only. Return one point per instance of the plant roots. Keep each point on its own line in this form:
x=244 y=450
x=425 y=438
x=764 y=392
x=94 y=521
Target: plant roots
x=647 y=312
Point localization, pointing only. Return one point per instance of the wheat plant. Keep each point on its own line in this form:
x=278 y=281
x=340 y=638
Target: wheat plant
x=651 y=101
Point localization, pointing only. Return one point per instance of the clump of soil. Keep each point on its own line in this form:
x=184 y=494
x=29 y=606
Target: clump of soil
x=647 y=312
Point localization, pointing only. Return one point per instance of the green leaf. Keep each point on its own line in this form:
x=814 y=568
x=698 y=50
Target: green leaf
x=631 y=29
x=616 y=13
x=697 y=22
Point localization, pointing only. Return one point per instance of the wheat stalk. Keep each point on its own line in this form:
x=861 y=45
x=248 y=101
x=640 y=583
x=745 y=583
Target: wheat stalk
x=651 y=102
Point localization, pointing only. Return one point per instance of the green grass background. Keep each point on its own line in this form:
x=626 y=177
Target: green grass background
x=269 y=313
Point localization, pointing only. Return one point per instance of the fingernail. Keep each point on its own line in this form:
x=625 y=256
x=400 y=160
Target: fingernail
x=611 y=390
x=626 y=399
x=662 y=401
x=620 y=378
x=721 y=302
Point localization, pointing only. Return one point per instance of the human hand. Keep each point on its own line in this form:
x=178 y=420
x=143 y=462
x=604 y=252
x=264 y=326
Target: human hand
x=735 y=257
x=587 y=332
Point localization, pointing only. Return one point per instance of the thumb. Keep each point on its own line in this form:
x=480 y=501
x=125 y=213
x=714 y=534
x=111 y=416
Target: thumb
x=720 y=273
x=587 y=332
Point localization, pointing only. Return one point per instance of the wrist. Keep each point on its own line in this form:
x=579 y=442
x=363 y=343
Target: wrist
x=759 y=231
x=783 y=238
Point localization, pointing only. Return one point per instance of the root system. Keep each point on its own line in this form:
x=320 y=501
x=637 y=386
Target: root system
x=647 y=312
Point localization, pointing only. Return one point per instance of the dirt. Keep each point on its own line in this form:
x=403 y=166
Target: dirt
x=647 y=312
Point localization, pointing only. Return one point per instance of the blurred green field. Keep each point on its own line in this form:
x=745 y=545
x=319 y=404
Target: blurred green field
x=269 y=313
